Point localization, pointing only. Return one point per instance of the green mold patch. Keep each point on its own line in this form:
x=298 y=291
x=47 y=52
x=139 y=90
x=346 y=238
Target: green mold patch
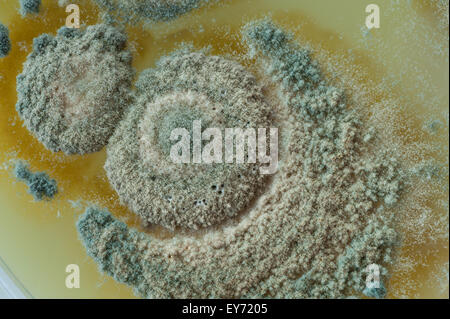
x=40 y=185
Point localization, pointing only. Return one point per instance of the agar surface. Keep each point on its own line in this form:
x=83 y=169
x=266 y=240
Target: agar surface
x=29 y=6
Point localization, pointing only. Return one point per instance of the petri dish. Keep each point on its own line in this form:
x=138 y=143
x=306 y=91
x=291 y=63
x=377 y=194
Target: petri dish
x=404 y=61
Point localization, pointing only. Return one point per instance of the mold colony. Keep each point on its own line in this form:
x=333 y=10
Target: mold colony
x=74 y=88
x=311 y=234
x=154 y=10
x=40 y=184
x=185 y=86
x=309 y=231
x=5 y=42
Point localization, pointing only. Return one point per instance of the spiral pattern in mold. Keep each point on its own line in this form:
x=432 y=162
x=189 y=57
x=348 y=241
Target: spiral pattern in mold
x=184 y=87
x=75 y=87
x=154 y=10
x=326 y=215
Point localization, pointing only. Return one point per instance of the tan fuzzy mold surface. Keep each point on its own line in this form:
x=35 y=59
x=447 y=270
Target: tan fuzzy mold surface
x=75 y=87
x=183 y=88
x=309 y=231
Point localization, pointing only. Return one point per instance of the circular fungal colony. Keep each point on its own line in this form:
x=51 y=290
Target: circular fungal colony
x=186 y=87
x=309 y=230
x=75 y=87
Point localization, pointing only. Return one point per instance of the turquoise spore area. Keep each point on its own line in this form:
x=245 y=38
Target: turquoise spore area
x=290 y=63
x=5 y=42
x=350 y=275
x=292 y=66
x=380 y=239
x=125 y=254
x=378 y=293
x=91 y=226
x=39 y=183
x=134 y=11
x=29 y=6
x=180 y=117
